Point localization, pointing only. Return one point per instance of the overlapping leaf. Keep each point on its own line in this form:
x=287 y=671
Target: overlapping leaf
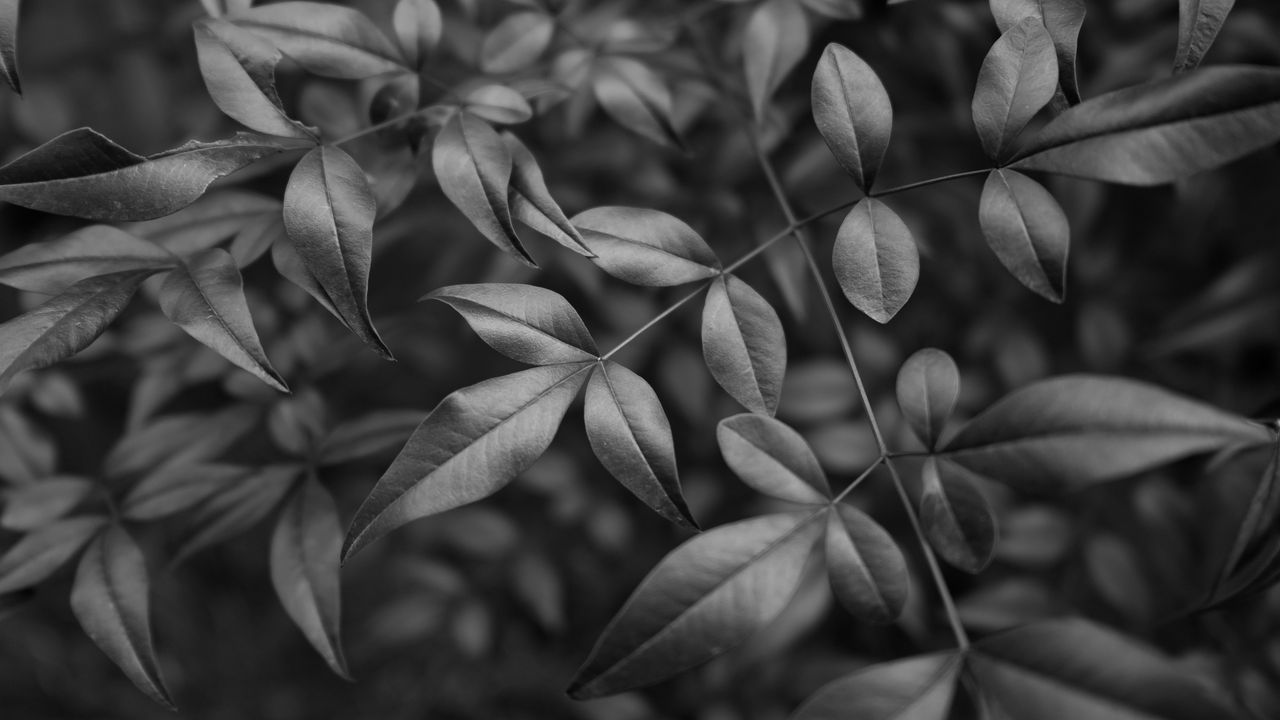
x=236 y=507
x=523 y=322
x=1253 y=562
x=775 y=39
x=1017 y=79
x=875 y=260
x=645 y=247
x=928 y=386
x=917 y=688
x=1063 y=19
x=852 y=111
x=1199 y=22
x=637 y=98
x=239 y=71
x=956 y=517
x=178 y=439
x=1027 y=230
x=743 y=344
x=41 y=552
x=53 y=266
x=377 y=432
x=772 y=458
x=326 y=39
x=531 y=202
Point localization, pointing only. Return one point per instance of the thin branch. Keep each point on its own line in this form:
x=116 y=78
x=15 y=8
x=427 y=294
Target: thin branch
x=930 y=181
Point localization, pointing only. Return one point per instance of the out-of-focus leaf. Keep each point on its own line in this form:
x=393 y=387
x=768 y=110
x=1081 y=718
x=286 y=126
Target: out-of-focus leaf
x=637 y=98
x=516 y=42
x=239 y=69
x=177 y=487
x=875 y=260
x=956 y=517
x=497 y=104
x=377 y=432
x=178 y=439
x=470 y=446
x=927 y=388
x=1027 y=230
x=324 y=38
x=1198 y=24
x=27 y=452
x=9 y=43
x=867 y=569
x=236 y=508
x=707 y=596
x=1081 y=429
x=837 y=9
x=209 y=221
x=40 y=553
x=917 y=688
x=218 y=8
x=34 y=505
x=531 y=203
x=853 y=112
x=1017 y=79
x=776 y=38
x=11 y=603
x=290 y=266
x=645 y=247
x=743 y=344
x=1252 y=560
x=418 y=25
x=51 y=267
x=630 y=434
x=1062 y=18
x=524 y=322
x=772 y=458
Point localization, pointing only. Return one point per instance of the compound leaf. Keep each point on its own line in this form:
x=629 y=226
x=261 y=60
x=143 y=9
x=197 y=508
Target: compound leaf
x=51 y=267
x=1027 y=230
x=645 y=247
x=1017 y=79
x=853 y=112
x=1198 y=24
x=927 y=388
x=743 y=344
x=524 y=322
x=867 y=569
x=917 y=688
x=325 y=39
x=875 y=260
x=772 y=458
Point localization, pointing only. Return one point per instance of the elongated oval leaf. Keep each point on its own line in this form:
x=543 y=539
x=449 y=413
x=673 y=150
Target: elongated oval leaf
x=875 y=260
x=177 y=487
x=236 y=507
x=772 y=458
x=53 y=266
x=470 y=446
x=178 y=439
x=1027 y=230
x=1063 y=19
x=498 y=104
x=707 y=596
x=531 y=203
x=867 y=569
x=645 y=247
x=853 y=113
x=1198 y=24
x=418 y=25
x=40 y=553
x=379 y=431
x=743 y=344
x=776 y=38
x=637 y=98
x=917 y=688
x=1081 y=429
x=212 y=219
x=9 y=44
x=1017 y=79
x=516 y=42
x=928 y=387
x=1164 y=130
x=956 y=517
x=324 y=38
x=523 y=322
x=630 y=434
x=34 y=505
x=239 y=70
x=110 y=599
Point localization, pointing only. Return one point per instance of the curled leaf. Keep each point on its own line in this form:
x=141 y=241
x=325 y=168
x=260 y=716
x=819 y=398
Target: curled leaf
x=1198 y=24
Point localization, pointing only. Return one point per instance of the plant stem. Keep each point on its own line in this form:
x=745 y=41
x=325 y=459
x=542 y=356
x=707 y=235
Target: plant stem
x=926 y=183
x=379 y=126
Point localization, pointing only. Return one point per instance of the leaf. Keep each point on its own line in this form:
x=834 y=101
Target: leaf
x=178 y=439
x=239 y=69
x=236 y=508
x=83 y=174
x=304 y=569
x=498 y=104
x=516 y=42
x=9 y=43
x=34 y=505
x=1163 y=130
x=1198 y=24
x=772 y=459
x=65 y=324
x=470 y=446
x=1017 y=79
x=325 y=39
x=524 y=322
x=956 y=517
x=917 y=688
x=867 y=569
x=379 y=431
x=177 y=487
x=645 y=247
x=630 y=434
x=51 y=267
x=209 y=221
x=743 y=344
x=474 y=166
x=418 y=26
x=1082 y=429
x=774 y=41
x=27 y=451
x=1071 y=669
x=110 y=600
x=290 y=266
x=205 y=297
x=875 y=260
x=41 y=552
x=531 y=202
x=637 y=98
x=853 y=113
x=1250 y=564
x=1063 y=19
x=328 y=215
x=707 y=596
x=1027 y=230
x=928 y=387
x=218 y=8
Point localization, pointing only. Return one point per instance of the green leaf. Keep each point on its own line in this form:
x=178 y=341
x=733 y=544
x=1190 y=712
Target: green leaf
x=645 y=247
x=376 y=432
x=956 y=517
x=531 y=202
x=524 y=322
x=1198 y=24
x=40 y=553
x=51 y=267
x=772 y=459
x=325 y=39
x=9 y=43
x=418 y=26
x=1161 y=131
x=743 y=344
x=927 y=388
x=34 y=505
x=110 y=599
x=214 y=218
x=637 y=98
x=239 y=69
x=205 y=297
x=853 y=113
x=774 y=41
x=1063 y=19
x=867 y=569
x=1017 y=79
x=917 y=688
x=1082 y=429
x=328 y=215
x=516 y=42
x=177 y=487
x=1027 y=230
x=470 y=446
x=630 y=434
x=707 y=596
x=236 y=508
x=875 y=260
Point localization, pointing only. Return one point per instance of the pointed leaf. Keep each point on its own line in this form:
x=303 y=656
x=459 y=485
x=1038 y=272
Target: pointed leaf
x=775 y=40
x=239 y=69
x=178 y=439
x=418 y=26
x=40 y=553
x=34 y=505
x=1027 y=230
x=377 y=432
x=9 y=44
x=524 y=322
x=772 y=458
x=637 y=98
x=743 y=344
x=209 y=221
x=531 y=203
x=177 y=487
x=237 y=507
x=868 y=571
x=956 y=517
x=290 y=266
x=875 y=260
x=1017 y=79
x=1063 y=19
x=325 y=39
x=516 y=42
x=645 y=247
x=853 y=112
x=917 y=688
x=928 y=387
x=53 y=266
x=1198 y=24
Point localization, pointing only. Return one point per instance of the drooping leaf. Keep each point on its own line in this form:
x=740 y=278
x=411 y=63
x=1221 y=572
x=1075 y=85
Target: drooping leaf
x=497 y=104
x=214 y=218
x=65 y=324
x=772 y=458
x=875 y=260
x=1063 y=19
x=239 y=70
x=51 y=267
x=516 y=42
x=41 y=552
x=631 y=436
x=774 y=41
x=928 y=387
x=852 y=111
x=637 y=98
x=470 y=446
x=377 y=432
x=324 y=38
x=177 y=487
x=236 y=507
x=1081 y=429
x=1198 y=24
x=531 y=203
x=645 y=247
x=1160 y=131
x=9 y=43
x=178 y=439
x=418 y=25
x=917 y=688
x=34 y=505
x=524 y=322
x=328 y=214
x=110 y=599
x=205 y=297
x=1027 y=230
x=956 y=517
x=304 y=569
x=743 y=344
x=707 y=596
x=867 y=569
x=1017 y=79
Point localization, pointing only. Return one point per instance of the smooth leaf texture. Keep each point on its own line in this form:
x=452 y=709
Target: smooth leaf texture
x=853 y=113
x=1027 y=230
x=637 y=98
x=743 y=344
x=1251 y=563
x=177 y=487
x=178 y=439
x=34 y=505
x=377 y=432
x=418 y=26
x=516 y=42
x=774 y=41
x=917 y=688
x=531 y=202
x=239 y=70
x=524 y=322
x=1017 y=79
x=236 y=508
x=1161 y=131
x=772 y=459
x=705 y=597
x=875 y=260
x=290 y=266
x=956 y=517
x=40 y=553
x=211 y=220
x=205 y=297
x=9 y=44
x=470 y=446
x=1072 y=669
x=53 y=266
x=630 y=434
x=328 y=214
x=304 y=569
x=498 y=104
x=1198 y=24
x=66 y=324
x=867 y=569
x=325 y=39
x=110 y=599
x=645 y=247
x=1081 y=429
x=928 y=386
x=1063 y=19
